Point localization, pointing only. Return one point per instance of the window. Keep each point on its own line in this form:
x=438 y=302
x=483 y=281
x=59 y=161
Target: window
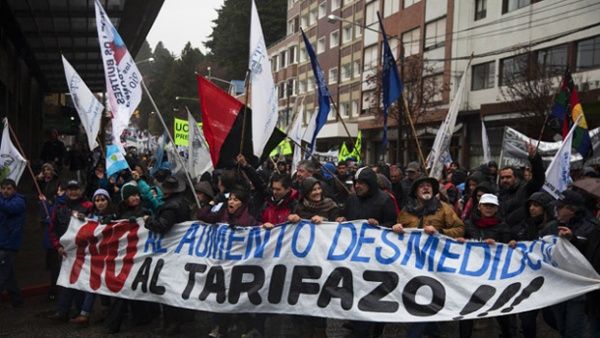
x=435 y=34
x=346 y=72
x=357 y=28
x=335 y=4
x=394 y=47
x=588 y=53
x=390 y=7
x=436 y=83
x=301 y=87
x=322 y=9
x=354 y=108
x=292 y=55
x=333 y=75
x=302 y=57
x=290 y=27
x=480 y=9
x=275 y=63
x=282 y=59
x=310 y=84
x=294 y=87
x=281 y=90
x=483 y=75
x=370 y=61
x=411 y=41
x=334 y=39
x=345 y=109
x=289 y=89
x=553 y=60
x=513 y=69
x=312 y=17
x=321 y=45
x=347 y=34
x=356 y=69
x=304 y=21
x=408 y=3
x=511 y=5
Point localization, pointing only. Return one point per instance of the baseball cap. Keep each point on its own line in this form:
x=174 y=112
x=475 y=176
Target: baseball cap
x=489 y=199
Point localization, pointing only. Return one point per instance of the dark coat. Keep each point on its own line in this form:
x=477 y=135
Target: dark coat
x=376 y=204
x=12 y=217
x=499 y=232
x=175 y=209
x=513 y=200
x=591 y=250
x=61 y=217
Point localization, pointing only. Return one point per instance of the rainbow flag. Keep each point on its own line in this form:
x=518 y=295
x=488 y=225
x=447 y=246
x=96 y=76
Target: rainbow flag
x=565 y=111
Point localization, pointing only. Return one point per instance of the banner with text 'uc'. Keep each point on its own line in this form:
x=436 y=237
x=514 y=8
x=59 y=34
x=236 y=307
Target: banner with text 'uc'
x=337 y=270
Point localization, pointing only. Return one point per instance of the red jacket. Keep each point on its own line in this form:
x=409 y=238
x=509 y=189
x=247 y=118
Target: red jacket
x=278 y=212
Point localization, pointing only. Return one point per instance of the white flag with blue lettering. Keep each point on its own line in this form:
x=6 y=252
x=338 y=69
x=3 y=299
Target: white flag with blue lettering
x=263 y=95
x=87 y=105
x=558 y=173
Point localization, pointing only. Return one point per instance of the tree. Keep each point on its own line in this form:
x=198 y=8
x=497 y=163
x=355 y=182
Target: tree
x=228 y=42
x=421 y=90
x=528 y=82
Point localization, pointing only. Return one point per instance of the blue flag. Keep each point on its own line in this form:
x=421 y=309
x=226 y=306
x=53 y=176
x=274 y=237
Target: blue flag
x=324 y=103
x=115 y=161
x=392 y=85
x=159 y=155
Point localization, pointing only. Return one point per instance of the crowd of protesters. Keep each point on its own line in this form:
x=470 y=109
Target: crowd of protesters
x=486 y=203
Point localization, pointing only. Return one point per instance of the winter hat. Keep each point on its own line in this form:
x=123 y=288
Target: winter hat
x=413 y=166
x=205 y=188
x=435 y=185
x=571 y=198
x=307 y=185
x=383 y=182
x=101 y=192
x=128 y=189
x=49 y=165
x=328 y=170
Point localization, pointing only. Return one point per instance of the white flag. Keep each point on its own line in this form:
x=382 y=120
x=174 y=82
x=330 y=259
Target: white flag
x=296 y=158
x=441 y=144
x=264 y=94
x=558 y=173
x=198 y=155
x=295 y=131
x=310 y=128
x=12 y=163
x=123 y=79
x=485 y=144
x=87 y=105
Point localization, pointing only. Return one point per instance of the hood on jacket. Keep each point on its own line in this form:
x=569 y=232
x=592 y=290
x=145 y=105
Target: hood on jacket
x=545 y=200
x=435 y=185
x=368 y=176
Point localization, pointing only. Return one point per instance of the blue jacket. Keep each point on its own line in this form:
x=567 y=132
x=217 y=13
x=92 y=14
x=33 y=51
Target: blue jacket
x=12 y=217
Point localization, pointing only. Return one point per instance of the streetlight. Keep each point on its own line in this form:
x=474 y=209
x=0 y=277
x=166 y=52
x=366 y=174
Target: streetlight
x=149 y=60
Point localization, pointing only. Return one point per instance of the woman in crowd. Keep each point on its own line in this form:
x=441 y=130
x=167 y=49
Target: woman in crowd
x=486 y=224
x=313 y=205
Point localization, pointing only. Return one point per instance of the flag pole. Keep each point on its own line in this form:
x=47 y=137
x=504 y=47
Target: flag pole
x=37 y=186
x=414 y=131
x=247 y=89
x=162 y=121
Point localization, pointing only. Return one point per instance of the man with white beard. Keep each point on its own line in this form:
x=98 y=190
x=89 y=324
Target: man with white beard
x=425 y=211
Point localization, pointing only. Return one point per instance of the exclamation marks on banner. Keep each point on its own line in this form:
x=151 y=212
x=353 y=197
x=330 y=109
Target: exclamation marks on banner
x=479 y=298
x=534 y=286
x=485 y=292
x=505 y=296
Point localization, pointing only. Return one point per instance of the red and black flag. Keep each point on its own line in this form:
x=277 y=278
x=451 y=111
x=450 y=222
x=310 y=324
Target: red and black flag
x=222 y=122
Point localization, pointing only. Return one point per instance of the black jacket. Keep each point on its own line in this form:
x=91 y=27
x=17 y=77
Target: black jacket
x=377 y=204
x=591 y=250
x=175 y=210
x=499 y=232
x=513 y=200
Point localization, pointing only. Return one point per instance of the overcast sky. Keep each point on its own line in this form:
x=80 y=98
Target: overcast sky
x=180 y=21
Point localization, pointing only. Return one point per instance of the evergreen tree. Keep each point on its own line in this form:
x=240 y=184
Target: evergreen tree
x=229 y=41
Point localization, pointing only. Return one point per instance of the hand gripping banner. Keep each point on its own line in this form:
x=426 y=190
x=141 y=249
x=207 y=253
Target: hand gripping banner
x=337 y=270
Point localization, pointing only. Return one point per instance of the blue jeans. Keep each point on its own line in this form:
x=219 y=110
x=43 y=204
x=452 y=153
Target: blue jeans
x=8 y=281
x=66 y=298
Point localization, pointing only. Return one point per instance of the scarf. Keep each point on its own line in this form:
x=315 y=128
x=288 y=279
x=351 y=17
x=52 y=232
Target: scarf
x=487 y=222
x=324 y=205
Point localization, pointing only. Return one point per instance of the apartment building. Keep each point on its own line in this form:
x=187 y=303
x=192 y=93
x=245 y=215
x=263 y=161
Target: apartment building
x=512 y=39
x=338 y=45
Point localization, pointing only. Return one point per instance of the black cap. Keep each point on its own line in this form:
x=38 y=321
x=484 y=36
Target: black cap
x=71 y=184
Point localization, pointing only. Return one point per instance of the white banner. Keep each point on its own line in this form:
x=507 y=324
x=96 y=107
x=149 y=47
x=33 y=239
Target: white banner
x=122 y=76
x=514 y=151
x=87 y=105
x=485 y=144
x=12 y=163
x=346 y=270
x=263 y=94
